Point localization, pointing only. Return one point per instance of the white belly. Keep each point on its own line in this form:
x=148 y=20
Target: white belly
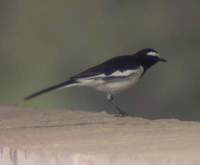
x=113 y=85
x=117 y=86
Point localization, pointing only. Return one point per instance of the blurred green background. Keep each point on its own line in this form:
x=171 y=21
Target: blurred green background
x=46 y=42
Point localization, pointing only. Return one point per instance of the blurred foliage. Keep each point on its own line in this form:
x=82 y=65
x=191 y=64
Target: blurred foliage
x=45 y=42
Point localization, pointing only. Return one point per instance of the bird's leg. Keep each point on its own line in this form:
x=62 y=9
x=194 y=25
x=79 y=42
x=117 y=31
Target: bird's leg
x=110 y=98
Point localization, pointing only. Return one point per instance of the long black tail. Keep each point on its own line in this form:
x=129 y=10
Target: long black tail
x=57 y=86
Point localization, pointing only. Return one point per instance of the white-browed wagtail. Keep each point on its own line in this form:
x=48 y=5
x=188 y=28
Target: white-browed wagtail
x=111 y=76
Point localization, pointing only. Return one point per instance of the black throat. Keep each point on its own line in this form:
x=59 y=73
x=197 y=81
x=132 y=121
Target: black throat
x=147 y=64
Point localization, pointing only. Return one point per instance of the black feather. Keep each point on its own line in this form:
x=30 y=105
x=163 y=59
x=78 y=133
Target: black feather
x=120 y=63
x=57 y=86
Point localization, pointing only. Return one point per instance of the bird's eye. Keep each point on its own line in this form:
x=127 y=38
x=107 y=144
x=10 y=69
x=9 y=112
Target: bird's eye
x=152 y=54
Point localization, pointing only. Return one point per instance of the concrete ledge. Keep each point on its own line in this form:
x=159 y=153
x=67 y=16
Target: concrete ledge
x=49 y=137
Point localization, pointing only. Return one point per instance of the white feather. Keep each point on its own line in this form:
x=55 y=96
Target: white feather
x=123 y=73
x=102 y=85
x=119 y=85
x=91 y=78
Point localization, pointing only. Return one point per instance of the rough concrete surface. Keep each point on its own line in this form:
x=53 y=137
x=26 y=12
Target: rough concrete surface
x=64 y=137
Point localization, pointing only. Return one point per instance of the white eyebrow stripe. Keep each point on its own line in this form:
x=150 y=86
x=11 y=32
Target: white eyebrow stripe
x=153 y=54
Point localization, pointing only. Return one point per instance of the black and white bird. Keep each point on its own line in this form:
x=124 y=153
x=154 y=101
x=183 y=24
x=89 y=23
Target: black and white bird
x=111 y=76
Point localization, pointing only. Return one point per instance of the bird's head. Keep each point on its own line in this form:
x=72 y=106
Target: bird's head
x=149 y=57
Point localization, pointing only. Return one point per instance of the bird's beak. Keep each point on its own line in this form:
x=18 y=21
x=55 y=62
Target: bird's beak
x=162 y=60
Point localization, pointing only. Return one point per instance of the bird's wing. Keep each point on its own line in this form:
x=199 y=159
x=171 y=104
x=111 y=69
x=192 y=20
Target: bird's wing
x=115 y=67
